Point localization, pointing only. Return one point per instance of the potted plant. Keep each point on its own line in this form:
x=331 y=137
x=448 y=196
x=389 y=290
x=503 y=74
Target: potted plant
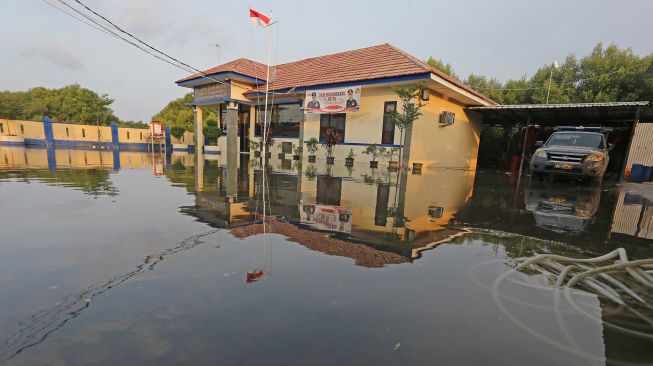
x=310 y=172
x=212 y=133
x=255 y=146
x=349 y=160
x=390 y=154
x=374 y=151
x=312 y=147
x=297 y=150
x=330 y=141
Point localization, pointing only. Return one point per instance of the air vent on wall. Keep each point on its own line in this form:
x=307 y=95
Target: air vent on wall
x=447 y=118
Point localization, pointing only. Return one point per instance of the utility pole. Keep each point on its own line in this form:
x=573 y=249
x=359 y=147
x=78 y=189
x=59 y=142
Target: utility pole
x=548 y=91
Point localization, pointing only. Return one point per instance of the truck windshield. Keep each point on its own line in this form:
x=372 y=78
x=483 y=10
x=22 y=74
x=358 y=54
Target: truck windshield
x=576 y=139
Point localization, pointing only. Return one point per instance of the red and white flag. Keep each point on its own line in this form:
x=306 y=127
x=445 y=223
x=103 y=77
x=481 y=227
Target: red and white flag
x=258 y=19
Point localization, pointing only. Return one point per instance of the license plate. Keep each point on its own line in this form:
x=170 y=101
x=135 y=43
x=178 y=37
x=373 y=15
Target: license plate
x=562 y=166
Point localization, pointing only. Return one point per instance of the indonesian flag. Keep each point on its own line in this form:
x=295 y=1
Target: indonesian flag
x=258 y=19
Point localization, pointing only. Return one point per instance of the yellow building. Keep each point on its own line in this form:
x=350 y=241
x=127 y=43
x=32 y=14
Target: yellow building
x=444 y=136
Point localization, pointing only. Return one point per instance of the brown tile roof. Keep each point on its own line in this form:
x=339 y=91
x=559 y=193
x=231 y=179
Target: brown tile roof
x=382 y=61
x=242 y=66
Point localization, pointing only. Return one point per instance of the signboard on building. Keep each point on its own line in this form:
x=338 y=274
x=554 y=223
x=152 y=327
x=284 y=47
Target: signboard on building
x=156 y=129
x=340 y=100
x=326 y=217
x=212 y=91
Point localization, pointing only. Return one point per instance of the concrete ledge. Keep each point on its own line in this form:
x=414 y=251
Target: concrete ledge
x=180 y=147
x=212 y=150
x=6 y=140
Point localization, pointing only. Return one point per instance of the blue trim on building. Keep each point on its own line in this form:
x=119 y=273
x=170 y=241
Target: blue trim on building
x=212 y=152
x=135 y=146
x=38 y=142
x=47 y=131
x=227 y=74
x=393 y=79
x=218 y=100
x=279 y=101
x=168 y=140
x=11 y=143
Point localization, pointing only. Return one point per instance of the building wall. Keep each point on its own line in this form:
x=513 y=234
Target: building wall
x=74 y=135
x=453 y=146
x=641 y=147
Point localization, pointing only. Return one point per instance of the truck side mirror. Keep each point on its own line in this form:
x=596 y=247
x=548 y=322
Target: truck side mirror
x=539 y=143
x=610 y=147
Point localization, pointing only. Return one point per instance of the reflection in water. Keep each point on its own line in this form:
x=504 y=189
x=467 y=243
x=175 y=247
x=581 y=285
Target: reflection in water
x=374 y=219
x=563 y=209
x=41 y=324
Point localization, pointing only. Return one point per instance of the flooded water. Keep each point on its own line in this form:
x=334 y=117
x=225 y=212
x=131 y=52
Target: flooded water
x=128 y=258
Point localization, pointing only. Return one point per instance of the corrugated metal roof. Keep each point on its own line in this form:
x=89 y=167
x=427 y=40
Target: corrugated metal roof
x=572 y=114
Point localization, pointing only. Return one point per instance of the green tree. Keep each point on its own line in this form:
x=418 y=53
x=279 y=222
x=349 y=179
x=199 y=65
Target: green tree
x=410 y=110
x=440 y=65
x=71 y=104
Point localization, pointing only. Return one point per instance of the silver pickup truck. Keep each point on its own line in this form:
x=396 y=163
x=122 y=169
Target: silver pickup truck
x=577 y=151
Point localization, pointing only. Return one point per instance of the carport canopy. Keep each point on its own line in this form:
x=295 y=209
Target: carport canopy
x=615 y=114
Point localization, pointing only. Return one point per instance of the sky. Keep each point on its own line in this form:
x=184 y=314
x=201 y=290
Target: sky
x=501 y=38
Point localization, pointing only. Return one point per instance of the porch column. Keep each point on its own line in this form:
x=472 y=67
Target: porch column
x=232 y=146
x=199 y=149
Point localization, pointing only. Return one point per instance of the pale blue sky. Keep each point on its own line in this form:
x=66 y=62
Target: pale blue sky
x=501 y=38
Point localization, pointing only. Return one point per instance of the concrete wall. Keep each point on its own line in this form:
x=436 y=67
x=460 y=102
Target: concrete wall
x=74 y=135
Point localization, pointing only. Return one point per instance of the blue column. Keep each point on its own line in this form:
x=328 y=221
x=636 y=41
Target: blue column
x=116 y=159
x=114 y=137
x=47 y=129
x=52 y=158
x=167 y=138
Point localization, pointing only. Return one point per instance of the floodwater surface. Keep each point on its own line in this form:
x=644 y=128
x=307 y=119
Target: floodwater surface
x=136 y=259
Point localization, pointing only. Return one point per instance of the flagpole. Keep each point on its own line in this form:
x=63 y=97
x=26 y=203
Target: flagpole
x=265 y=122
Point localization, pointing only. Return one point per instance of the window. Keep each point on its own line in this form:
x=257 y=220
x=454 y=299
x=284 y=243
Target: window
x=334 y=121
x=284 y=119
x=22 y=129
x=67 y=132
x=388 y=132
x=127 y=135
x=83 y=132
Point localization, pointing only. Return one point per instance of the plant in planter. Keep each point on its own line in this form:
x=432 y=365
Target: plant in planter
x=312 y=147
x=267 y=142
x=212 y=132
x=297 y=150
x=310 y=172
x=410 y=112
x=331 y=139
x=374 y=151
x=349 y=160
x=390 y=154
x=255 y=146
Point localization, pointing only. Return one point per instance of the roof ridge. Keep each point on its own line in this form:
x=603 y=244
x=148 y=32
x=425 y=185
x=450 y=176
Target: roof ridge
x=332 y=54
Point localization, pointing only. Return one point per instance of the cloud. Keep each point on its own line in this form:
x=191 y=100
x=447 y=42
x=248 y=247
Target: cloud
x=52 y=53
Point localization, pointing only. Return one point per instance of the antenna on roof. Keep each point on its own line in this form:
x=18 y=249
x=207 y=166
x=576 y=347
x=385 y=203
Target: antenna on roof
x=217 y=47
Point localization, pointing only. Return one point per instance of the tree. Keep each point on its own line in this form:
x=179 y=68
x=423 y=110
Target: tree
x=71 y=104
x=410 y=110
x=446 y=68
x=177 y=132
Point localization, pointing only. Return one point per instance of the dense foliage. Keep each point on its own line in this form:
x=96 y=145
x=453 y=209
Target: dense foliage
x=72 y=104
x=179 y=113
x=607 y=74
